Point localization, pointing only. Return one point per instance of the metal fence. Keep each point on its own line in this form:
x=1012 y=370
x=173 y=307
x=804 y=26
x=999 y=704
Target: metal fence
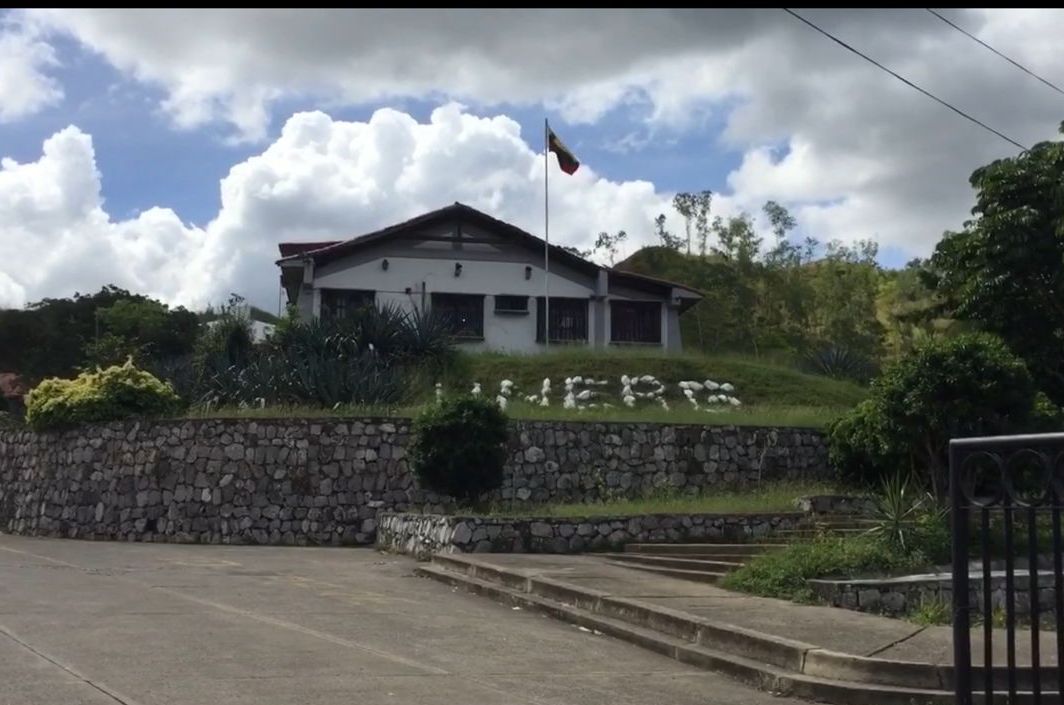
x=1006 y=497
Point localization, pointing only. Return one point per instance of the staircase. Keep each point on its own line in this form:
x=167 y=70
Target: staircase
x=710 y=562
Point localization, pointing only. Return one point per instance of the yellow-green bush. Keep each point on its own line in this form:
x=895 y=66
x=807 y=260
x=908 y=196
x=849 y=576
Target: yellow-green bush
x=118 y=392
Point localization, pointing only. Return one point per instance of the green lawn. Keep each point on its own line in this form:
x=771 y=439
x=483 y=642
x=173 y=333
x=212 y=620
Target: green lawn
x=765 y=415
x=771 y=394
x=775 y=497
x=756 y=382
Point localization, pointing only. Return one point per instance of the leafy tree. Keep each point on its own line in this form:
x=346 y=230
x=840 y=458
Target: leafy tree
x=610 y=244
x=58 y=337
x=963 y=386
x=667 y=238
x=845 y=284
x=1004 y=270
x=142 y=329
x=910 y=311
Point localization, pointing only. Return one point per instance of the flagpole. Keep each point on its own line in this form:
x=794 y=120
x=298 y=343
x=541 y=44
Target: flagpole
x=546 y=234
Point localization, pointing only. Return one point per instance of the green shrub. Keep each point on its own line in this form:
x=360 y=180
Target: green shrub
x=964 y=386
x=118 y=392
x=459 y=447
x=932 y=611
x=783 y=573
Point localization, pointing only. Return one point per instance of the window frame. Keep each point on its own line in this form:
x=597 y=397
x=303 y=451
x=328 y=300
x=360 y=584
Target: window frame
x=330 y=297
x=558 y=305
x=510 y=311
x=638 y=336
x=476 y=312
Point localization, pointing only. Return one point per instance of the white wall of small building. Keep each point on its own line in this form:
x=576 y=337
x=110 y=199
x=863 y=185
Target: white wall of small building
x=416 y=270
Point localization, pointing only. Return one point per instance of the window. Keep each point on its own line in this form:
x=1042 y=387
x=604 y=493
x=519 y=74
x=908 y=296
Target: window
x=511 y=304
x=568 y=320
x=635 y=321
x=341 y=303
x=464 y=313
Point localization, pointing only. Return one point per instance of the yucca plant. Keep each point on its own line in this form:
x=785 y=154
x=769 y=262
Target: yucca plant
x=427 y=338
x=838 y=362
x=898 y=505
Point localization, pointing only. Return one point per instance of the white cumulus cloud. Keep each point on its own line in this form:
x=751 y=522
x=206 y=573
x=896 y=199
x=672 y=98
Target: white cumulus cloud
x=322 y=178
x=55 y=237
x=25 y=87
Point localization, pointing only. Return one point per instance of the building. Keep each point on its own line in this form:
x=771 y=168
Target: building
x=487 y=276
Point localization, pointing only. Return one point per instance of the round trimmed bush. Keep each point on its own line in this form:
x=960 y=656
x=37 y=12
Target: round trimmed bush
x=117 y=392
x=459 y=447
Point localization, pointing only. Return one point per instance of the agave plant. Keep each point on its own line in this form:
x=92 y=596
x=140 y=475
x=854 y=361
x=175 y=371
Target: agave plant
x=427 y=338
x=838 y=362
x=898 y=506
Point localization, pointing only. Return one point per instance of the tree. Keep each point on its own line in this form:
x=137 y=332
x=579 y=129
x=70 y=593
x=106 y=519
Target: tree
x=739 y=242
x=845 y=284
x=1004 y=270
x=684 y=204
x=610 y=244
x=969 y=385
x=667 y=239
x=782 y=222
x=58 y=337
x=142 y=329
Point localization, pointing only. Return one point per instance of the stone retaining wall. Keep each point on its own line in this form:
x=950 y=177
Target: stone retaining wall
x=837 y=505
x=897 y=597
x=421 y=535
x=323 y=481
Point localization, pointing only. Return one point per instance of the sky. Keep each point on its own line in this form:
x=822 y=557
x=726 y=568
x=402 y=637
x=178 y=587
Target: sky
x=169 y=151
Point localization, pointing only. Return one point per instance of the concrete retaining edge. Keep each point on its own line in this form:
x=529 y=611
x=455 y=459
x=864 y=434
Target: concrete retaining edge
x=786 y=666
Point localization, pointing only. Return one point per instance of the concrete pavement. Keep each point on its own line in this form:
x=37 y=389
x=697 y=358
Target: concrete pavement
x=85 y=623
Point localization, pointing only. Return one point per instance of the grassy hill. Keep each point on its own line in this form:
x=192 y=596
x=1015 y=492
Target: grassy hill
x=770 y=393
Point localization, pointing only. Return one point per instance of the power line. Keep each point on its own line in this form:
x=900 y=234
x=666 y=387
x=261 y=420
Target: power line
x=1009 y=59
x=904 y=80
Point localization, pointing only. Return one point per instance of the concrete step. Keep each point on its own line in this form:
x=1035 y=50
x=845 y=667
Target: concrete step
x=699 y=576
x=687 y=562
x=757 y=672
x=700 y=549
x=777 y=664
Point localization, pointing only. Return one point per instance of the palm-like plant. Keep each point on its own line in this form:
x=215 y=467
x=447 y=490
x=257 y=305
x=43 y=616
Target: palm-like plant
x=898 y=507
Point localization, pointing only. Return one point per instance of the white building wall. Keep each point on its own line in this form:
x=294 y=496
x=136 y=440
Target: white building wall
x=418 y=268
x=509 y=332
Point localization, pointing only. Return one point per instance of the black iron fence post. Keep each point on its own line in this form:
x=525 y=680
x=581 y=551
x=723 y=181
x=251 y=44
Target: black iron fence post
x=962 y=644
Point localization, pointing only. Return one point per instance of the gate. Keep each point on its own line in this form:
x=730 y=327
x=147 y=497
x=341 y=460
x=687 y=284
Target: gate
x=1006 y=497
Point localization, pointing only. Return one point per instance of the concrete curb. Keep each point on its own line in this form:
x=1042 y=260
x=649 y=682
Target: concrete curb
x=770 y=662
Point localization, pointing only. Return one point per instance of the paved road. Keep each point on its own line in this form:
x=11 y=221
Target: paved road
x=85 y=623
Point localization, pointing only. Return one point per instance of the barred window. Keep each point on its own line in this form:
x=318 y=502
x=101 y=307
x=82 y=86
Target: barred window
x=505 y=303
x=341 y=303
x=635 y=321
x=464 y=312
x=568 y=320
